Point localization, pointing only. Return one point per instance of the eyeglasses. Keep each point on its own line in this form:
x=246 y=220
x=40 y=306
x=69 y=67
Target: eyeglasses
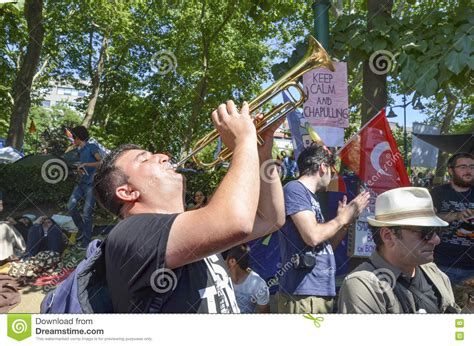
x=464 y=167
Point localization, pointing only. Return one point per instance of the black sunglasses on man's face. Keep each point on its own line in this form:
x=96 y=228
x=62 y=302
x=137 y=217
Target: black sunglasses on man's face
x=426 y=233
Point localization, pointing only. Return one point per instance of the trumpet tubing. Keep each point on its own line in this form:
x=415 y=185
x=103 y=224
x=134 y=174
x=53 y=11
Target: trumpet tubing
x=315 y=57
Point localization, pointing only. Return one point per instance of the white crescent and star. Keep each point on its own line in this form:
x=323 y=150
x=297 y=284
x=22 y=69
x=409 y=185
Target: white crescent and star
x=375 y=156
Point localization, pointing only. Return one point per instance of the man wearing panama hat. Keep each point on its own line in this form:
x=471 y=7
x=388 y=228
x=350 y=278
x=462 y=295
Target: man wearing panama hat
x=400 y=276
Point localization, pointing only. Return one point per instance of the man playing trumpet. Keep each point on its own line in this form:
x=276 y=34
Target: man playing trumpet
x=160 y=258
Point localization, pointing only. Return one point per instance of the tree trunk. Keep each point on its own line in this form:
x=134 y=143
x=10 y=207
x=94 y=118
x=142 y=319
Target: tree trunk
x=374 y=84
x=24 y=78
x=96 y=83
x=448 y=119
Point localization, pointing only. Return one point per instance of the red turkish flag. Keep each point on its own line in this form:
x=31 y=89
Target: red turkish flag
x=373 y=155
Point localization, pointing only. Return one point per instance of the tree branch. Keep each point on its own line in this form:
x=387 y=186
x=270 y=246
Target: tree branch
x=45 y=63
x=91 y=50
x=230 y=12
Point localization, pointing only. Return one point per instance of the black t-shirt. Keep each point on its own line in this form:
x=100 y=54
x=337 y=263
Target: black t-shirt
x=138 y=281
x=457 y=242
x=423 y=287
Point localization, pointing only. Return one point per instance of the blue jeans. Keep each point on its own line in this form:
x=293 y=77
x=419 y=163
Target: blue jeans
x=83 y=223
x=37 y=241
x=457 y=275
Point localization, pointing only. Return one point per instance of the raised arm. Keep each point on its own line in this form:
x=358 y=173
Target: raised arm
x=271 y=204
x=229 y=217
x=314 y=233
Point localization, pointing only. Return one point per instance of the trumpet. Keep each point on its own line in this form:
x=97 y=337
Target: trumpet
x=315 y=57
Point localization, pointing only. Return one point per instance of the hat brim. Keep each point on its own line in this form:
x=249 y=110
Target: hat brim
x=427 y=221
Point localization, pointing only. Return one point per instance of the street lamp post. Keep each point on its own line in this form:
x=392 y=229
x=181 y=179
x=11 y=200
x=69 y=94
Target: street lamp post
x=405 y=150
x=392 y=114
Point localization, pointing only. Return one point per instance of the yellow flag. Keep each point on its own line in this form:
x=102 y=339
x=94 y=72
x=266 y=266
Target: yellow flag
x=313 y=134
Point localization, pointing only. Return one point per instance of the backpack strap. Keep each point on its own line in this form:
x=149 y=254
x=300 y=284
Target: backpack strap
x=402 y=294
x=418 y=295
x=93 y=293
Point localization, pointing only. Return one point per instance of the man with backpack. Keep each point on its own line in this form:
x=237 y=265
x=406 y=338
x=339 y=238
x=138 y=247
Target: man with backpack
x=90 y=157
x=160 y=258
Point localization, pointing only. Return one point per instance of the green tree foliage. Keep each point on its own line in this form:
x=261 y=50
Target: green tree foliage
x=215 y=50
x=50 y=126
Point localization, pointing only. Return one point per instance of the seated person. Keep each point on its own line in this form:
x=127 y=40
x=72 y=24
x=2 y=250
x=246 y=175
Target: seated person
x=22 y=224
x=464 y=294
x=400 y=276
x=44 y=235
x=11 y=242
x=250 y=289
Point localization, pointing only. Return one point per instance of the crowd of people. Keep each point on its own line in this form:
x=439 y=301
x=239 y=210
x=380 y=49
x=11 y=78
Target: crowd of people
x=256 y=246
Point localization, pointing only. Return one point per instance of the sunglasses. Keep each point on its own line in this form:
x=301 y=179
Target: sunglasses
x=425 y=233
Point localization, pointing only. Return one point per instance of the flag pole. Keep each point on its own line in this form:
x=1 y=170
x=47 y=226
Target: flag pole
x=357 y=133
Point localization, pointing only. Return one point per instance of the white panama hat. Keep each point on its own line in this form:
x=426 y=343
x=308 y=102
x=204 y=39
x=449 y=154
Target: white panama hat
x=405 y=206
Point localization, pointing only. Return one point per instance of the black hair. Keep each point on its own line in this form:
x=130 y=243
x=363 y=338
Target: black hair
x=80 y=132
x=28 y=220
x=311 y=159
x=378 y=239
x=454 y=158
x=241 y=253
x=108 y=177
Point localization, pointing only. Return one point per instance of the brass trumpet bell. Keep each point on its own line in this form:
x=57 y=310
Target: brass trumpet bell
x=315 y=57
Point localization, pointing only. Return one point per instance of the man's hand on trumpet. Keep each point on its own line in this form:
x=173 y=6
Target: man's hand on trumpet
x=234 y=128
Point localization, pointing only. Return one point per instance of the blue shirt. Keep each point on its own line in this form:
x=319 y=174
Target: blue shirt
x=87 y=153
x=319 y=280
x=265 y=259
